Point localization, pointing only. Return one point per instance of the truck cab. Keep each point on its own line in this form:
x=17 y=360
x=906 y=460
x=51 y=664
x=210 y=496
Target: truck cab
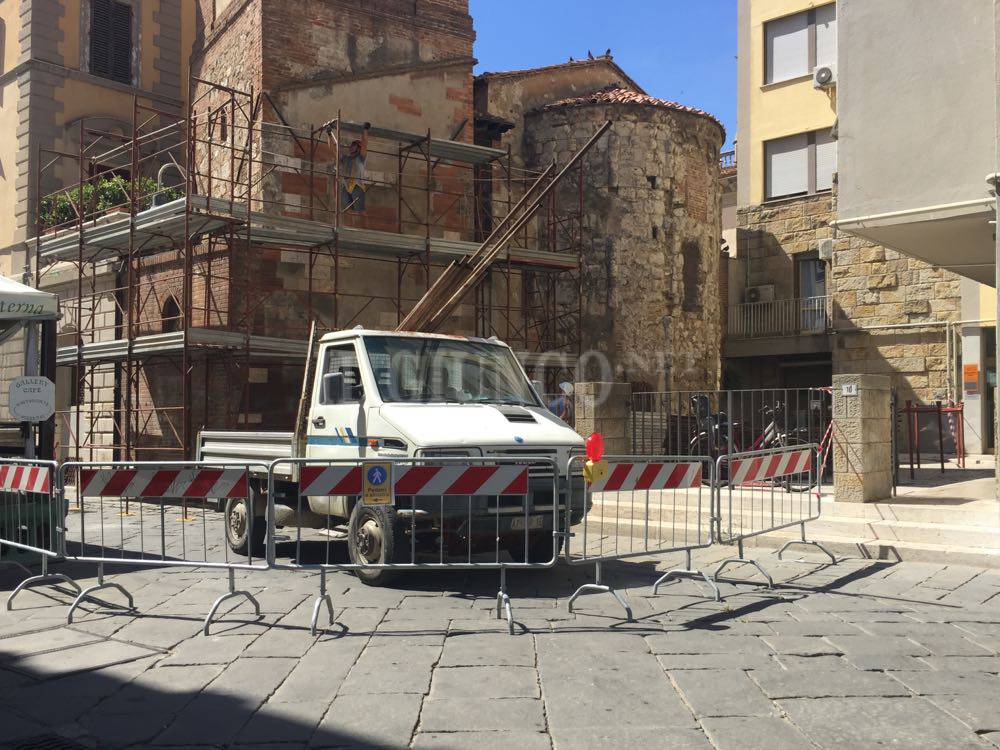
x=377 y=394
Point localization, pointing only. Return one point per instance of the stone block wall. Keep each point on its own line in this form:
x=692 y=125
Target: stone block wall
x=604 y=408
x=770 y=235
x=650 y=274
x=862 y=439
x=876 y=286
x=867 y=285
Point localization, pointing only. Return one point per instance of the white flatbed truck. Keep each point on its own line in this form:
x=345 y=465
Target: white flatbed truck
x=374 y=394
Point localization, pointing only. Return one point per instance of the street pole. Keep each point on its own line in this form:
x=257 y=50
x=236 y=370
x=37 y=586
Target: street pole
x=30 y=360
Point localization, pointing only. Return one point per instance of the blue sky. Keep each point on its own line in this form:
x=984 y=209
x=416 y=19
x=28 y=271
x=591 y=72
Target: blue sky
x=682 y=50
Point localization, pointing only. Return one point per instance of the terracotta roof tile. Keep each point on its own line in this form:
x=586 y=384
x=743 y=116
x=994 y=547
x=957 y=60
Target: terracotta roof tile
x=598 y=60
x=624 y=96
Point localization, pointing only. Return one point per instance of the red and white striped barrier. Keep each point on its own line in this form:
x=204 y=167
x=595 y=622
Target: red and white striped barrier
x=329 y=480
x=192 y=482
x=770 y=466
x=461 y=480
x=648 y=475
x=15 y=477
x=419 y=480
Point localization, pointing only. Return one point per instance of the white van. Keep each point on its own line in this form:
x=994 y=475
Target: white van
x=375 y=394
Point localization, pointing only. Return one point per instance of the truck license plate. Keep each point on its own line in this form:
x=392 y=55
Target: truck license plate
x=534 y=522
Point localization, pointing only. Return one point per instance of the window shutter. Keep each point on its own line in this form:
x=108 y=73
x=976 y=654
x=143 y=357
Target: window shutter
x=786 y=166
x=121 y=48
x=786 y=42
x=111 y=40
x=826 y=160
x=826 y=35
x=100 y=37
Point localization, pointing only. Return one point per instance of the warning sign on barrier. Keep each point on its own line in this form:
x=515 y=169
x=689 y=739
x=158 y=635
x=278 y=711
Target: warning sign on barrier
x=377 y=489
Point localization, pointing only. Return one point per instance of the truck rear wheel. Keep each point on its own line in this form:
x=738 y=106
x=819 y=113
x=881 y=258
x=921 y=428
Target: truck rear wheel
x=241 y=538
x=371 y=538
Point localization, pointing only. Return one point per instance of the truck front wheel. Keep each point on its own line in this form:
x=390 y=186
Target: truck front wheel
x=241 y=538
x=371 y=538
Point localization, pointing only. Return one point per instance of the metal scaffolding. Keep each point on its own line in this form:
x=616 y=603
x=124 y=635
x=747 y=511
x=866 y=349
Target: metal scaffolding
x=195 y=251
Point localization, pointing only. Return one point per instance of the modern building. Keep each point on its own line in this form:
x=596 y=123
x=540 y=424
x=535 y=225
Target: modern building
x=919 y=157
x=813 y=293
x=779 y=331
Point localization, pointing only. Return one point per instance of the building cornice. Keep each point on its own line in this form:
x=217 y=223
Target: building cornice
x=44 y=66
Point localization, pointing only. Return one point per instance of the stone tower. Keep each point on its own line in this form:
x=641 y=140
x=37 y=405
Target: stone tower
x=651 y=234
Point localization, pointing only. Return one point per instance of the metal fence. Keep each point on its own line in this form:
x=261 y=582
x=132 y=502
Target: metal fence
x=767 y=490
x=638 y=508
x=400 y=514
x=718 y=423
x=158 y=514
x=437 y=514
x=32 y=517
x=780 y=317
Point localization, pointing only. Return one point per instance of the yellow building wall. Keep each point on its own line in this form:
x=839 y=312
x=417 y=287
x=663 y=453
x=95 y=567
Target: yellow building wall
x=11 y=23
x=8 y=169
x=79 y=97
x=69 y=47
x=987 y=302
x=778 y=109
x=10 y=17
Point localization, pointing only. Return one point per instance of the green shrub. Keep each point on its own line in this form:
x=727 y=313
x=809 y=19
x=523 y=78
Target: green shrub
x=98 y=197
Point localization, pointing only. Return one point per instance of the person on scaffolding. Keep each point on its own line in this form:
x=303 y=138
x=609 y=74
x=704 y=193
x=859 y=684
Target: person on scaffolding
x=352 y=173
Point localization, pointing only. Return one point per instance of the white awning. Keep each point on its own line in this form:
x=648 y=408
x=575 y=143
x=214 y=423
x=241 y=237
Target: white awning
x=958 y=236
x=24 y=303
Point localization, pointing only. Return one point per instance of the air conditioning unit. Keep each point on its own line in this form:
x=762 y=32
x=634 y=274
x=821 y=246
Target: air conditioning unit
x=763 y=293
x=825 y=76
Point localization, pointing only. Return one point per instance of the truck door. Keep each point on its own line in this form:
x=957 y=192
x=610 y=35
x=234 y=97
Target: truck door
x=336 y=425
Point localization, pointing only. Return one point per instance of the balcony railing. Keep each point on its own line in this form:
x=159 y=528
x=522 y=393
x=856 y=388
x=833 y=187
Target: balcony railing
x=782 y=317
x=727 y=159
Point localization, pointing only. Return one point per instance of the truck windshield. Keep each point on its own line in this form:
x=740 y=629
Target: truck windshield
x=439 y=370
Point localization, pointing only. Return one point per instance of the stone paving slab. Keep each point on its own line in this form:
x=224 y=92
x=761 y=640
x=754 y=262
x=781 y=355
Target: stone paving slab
x=873 y=722
x=851 y=655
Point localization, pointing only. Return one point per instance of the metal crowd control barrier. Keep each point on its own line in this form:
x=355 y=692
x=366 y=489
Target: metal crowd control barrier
x=32 y=516
x=647 y=505
x=766 y=491
x=157 y=514
x=456 y=513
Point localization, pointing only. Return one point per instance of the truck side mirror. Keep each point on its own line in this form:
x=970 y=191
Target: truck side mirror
x=333 y=388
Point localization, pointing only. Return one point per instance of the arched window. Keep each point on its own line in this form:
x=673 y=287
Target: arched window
x=171 y=315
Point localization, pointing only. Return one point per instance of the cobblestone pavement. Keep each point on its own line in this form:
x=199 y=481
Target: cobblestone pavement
x=863 y=653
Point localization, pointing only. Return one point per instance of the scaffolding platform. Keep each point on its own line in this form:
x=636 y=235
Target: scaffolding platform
x=161 y=228
x=165 y=298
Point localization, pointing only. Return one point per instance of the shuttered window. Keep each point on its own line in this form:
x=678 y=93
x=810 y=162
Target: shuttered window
x=826 y=160
x=796 y=44
x=799 y=164
x=787 y=166
x=111 y=40
x=787 y=44
x=826 y=35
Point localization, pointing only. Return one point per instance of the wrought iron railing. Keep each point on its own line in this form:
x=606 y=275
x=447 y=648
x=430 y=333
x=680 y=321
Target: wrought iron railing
x=781 y=317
